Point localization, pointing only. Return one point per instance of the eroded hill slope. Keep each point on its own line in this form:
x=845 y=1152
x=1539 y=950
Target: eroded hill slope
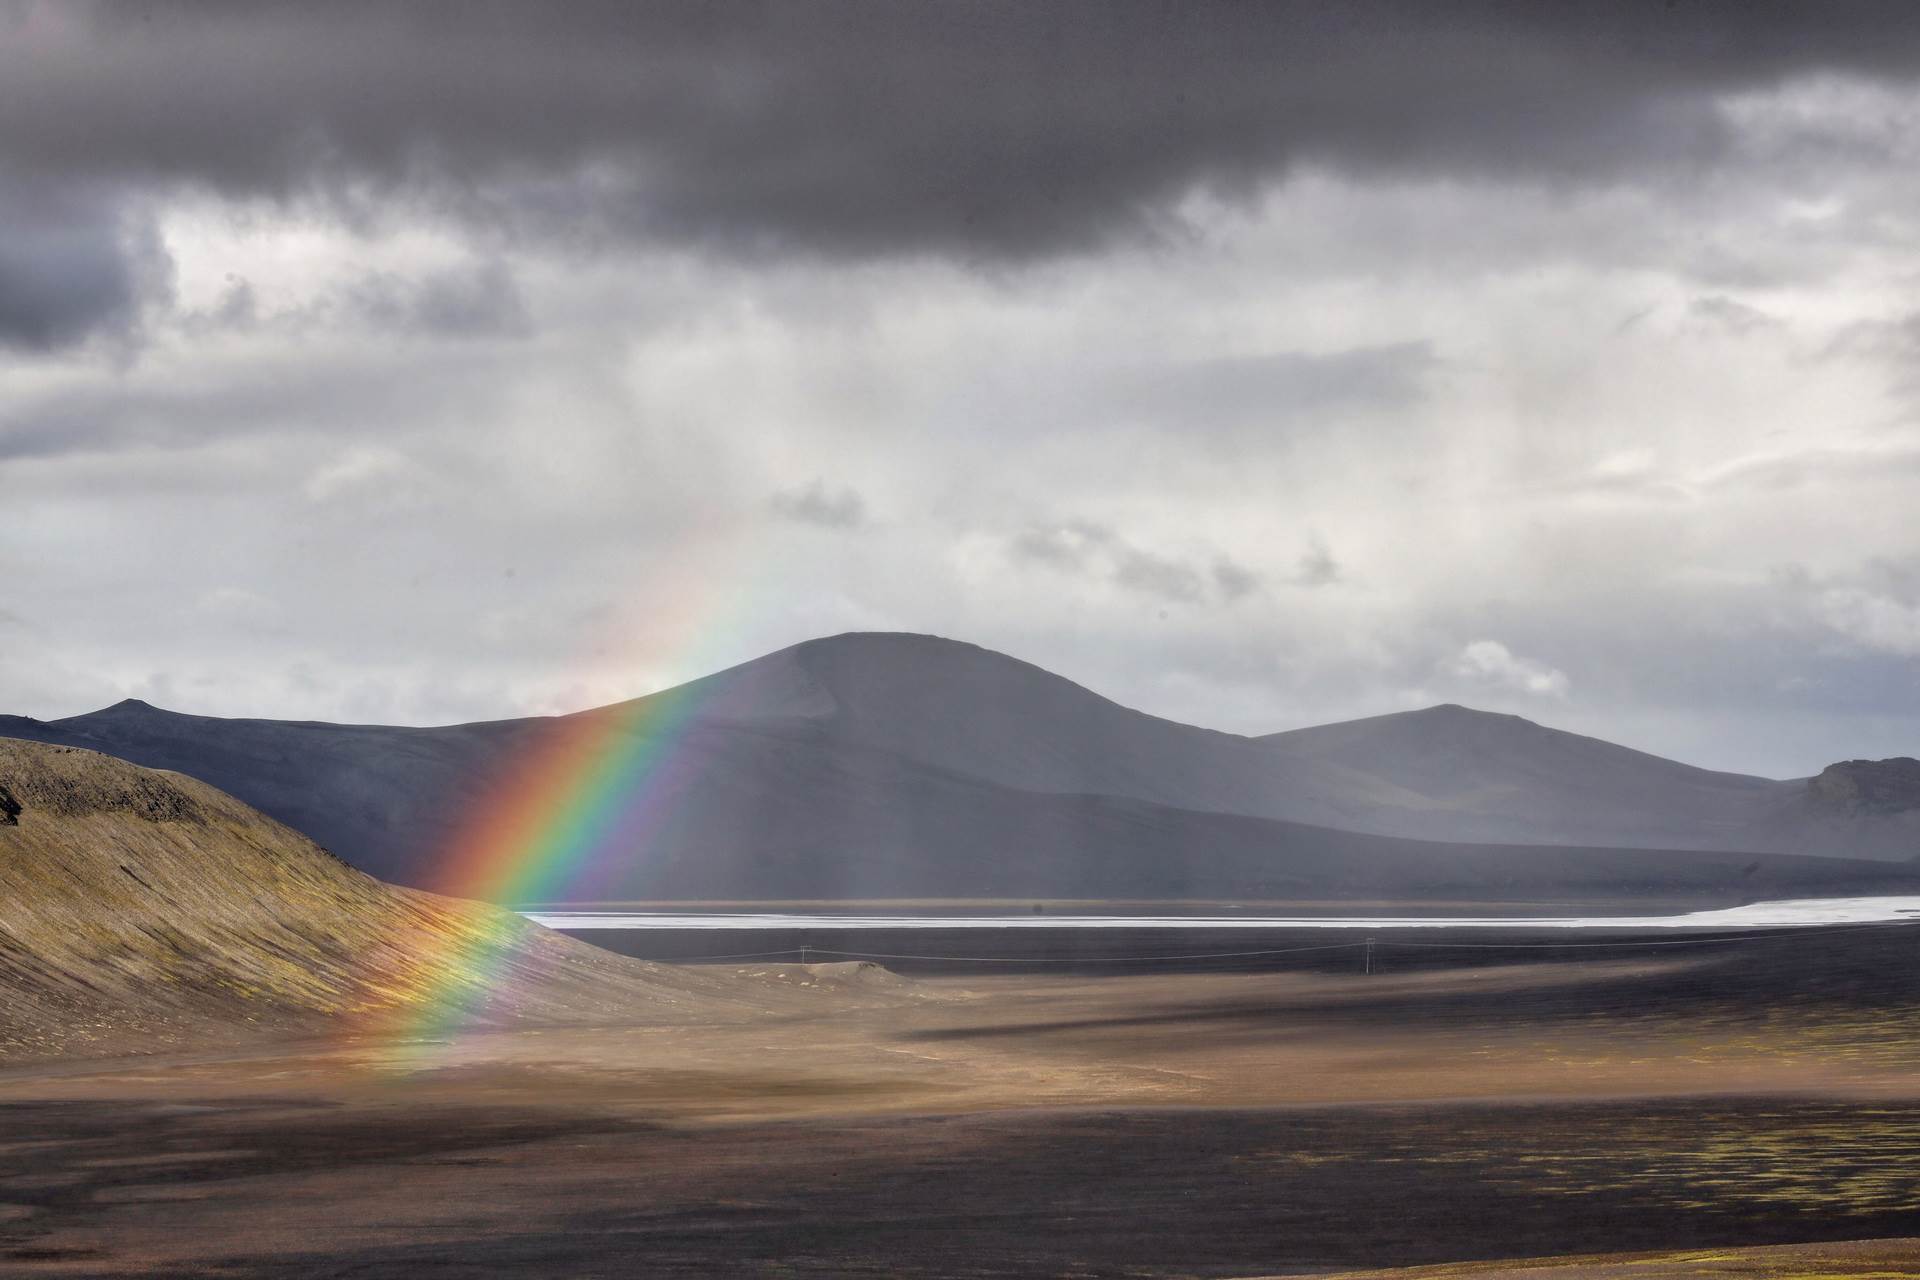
x=141 y=910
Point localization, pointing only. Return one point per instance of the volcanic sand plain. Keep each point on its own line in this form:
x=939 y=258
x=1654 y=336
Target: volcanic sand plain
x=1679 y=1113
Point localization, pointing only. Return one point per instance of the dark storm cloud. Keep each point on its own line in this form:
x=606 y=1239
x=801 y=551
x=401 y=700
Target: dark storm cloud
x=71 y=266
x=981 y=130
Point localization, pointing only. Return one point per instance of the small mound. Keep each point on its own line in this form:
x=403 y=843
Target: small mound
x=864 y=973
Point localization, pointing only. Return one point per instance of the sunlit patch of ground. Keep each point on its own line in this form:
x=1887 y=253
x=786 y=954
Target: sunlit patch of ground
x=1897 y=1259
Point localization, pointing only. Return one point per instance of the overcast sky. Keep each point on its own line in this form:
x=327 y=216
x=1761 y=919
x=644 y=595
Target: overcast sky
x=1255 y=366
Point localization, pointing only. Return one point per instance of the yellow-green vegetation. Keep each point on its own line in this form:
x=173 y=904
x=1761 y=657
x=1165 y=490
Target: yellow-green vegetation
x=1809 y=1160
x=139 y=907
x=1856 y=1162
x=1897 y=1259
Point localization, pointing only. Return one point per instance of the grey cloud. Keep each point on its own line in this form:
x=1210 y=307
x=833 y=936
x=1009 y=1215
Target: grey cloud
x=1061 y=546
x=1272 y=388
x=989 y=130
x=1819 y=466
x=1891 y=339
x=288 y=396
x=1893 y=343
x=1153 y=575
x=1623 y=480
x=471 y=302
x=816 y=504
x=1874 y=609
x=1096 y=552
x=1234 y=579
x=1721 y=314
x=238 y=308
x=1317 y=567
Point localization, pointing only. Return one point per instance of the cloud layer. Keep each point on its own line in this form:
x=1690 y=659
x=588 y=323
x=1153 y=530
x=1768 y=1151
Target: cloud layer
x=1256 y=365
x=996 y=129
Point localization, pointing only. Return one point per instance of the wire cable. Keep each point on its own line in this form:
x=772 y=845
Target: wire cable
x=1782 y=934
x=1135 y=959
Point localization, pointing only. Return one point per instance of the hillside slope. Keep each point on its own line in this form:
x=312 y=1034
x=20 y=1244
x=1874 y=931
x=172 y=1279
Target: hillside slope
x=373 y=794
x=1501 y=777
x=1473 y=775
x=860 y=823
x=141 y=909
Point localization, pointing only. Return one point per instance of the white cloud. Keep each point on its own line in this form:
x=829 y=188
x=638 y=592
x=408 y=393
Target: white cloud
x=360 y=472
x=1491 y=664
x=1873 y=621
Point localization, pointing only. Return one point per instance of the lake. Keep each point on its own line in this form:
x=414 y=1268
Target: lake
x=1101 y=942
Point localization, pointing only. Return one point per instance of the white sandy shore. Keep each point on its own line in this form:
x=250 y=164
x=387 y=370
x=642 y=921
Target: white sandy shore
x=1758 y=915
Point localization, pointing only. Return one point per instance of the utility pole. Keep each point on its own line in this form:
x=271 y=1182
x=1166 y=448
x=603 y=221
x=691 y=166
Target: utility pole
x=1369 y=955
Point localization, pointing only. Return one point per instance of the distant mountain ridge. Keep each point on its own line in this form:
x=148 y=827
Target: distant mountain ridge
x=1479 y=775
x=841 y=765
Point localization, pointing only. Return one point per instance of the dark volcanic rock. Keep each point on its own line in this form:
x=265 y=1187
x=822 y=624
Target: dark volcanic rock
x=1868 y=786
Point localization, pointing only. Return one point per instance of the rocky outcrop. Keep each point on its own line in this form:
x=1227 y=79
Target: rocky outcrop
x=1863 y=787
x=81 y=787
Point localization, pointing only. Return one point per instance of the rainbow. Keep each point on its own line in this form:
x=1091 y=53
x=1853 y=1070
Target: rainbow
x=584 y=789
x=590 y=789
